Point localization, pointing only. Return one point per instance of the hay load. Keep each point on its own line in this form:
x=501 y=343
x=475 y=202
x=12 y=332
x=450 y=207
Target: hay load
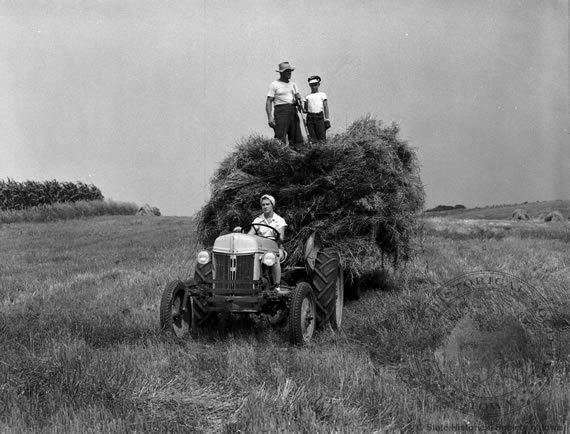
x=361 y=191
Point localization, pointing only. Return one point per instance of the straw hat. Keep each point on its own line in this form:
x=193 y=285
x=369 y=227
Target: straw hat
x=284 y=66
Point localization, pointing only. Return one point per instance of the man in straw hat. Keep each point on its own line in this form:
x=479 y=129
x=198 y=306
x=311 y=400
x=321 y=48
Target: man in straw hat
x=281 y=107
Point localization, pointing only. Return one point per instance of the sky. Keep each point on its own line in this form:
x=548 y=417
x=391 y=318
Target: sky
x=144 y=98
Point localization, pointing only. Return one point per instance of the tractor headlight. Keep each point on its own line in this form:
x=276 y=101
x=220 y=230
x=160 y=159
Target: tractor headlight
x=269 y=259
x=203 y=257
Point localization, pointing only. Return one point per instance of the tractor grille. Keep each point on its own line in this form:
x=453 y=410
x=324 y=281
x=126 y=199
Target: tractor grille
x=233 y=272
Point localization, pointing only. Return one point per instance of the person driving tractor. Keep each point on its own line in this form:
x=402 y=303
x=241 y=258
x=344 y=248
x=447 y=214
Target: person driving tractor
x=270 y=219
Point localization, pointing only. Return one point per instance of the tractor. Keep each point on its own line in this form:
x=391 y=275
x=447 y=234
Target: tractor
x=234 y=277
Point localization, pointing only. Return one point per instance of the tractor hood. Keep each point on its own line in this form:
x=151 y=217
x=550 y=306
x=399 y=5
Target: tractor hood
x=237 y=244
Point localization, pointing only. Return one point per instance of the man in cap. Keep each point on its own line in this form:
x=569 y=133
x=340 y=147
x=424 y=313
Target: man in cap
x=281 y=107
x=317 y=108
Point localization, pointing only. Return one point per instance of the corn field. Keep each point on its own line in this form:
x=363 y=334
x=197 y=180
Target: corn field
x=22 y=195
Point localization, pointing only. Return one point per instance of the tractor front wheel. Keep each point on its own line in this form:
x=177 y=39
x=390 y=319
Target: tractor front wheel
x=302 y=314
x=176 y=309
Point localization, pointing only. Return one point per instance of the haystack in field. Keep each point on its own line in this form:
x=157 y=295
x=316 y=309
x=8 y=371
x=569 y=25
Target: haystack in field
x=361 y=191
x=519 y=214
x=147 y=210
x=554 y=216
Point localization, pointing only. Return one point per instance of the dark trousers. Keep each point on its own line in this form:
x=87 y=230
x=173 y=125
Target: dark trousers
x=316 y=126
x=287 y=124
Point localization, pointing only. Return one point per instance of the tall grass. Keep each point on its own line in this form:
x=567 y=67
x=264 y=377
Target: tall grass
x=81 y=347
x=67 y=211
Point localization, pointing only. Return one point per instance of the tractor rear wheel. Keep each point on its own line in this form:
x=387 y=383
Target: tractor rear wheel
x=302 y=314
x=336 y=317
x=175 y=309
x=202 y=276
x=327 y=285
x=203 y=273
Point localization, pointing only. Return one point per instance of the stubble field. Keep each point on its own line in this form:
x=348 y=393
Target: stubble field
x=82 y=350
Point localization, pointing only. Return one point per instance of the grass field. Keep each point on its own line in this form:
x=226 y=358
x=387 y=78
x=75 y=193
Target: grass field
x=82 y=351
x=501 y=212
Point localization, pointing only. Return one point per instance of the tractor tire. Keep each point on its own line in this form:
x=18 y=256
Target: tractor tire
x=175 y=315
x=336 y=317
x=302 y=314
x=326 y=284
x=202 y=275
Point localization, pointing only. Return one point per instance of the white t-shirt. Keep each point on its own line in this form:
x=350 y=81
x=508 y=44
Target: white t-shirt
x=315 y=102
x=284 y=93
x=276 y=222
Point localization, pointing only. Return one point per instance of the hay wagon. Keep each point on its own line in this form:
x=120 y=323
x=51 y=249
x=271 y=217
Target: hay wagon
x=234 y=276
x=360 y=191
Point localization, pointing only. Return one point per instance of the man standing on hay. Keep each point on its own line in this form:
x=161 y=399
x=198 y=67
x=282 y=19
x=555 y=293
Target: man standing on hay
x=281 y=107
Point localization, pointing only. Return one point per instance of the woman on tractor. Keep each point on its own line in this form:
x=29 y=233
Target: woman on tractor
x=268 y=220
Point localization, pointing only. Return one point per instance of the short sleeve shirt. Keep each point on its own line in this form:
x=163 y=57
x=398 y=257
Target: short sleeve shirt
x=315 y=102
x=284 y=93
x=276 y=222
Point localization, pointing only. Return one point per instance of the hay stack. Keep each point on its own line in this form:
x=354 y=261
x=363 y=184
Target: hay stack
x=519 y=214
x=147 y=210
x=554 y=216
x=361 y=191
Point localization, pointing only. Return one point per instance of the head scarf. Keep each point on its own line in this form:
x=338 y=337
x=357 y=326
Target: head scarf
x=269 y=198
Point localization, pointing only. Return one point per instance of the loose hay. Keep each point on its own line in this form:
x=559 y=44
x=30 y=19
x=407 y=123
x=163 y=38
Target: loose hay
x=361 y=191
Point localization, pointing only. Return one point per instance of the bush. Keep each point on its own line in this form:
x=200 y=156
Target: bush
x=440 y=208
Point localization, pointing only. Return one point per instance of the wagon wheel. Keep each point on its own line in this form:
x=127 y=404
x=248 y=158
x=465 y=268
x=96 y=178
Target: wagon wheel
x=302 y=314
x=352 y=288
x=175 y=309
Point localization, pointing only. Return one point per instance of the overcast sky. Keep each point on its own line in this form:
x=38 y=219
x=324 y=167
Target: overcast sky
x=143 y=98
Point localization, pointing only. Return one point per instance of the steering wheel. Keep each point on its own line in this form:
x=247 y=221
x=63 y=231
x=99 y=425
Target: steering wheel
x=256 y=229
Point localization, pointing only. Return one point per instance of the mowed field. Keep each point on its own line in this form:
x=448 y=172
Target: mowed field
x=534 y=210
x=81 y=348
